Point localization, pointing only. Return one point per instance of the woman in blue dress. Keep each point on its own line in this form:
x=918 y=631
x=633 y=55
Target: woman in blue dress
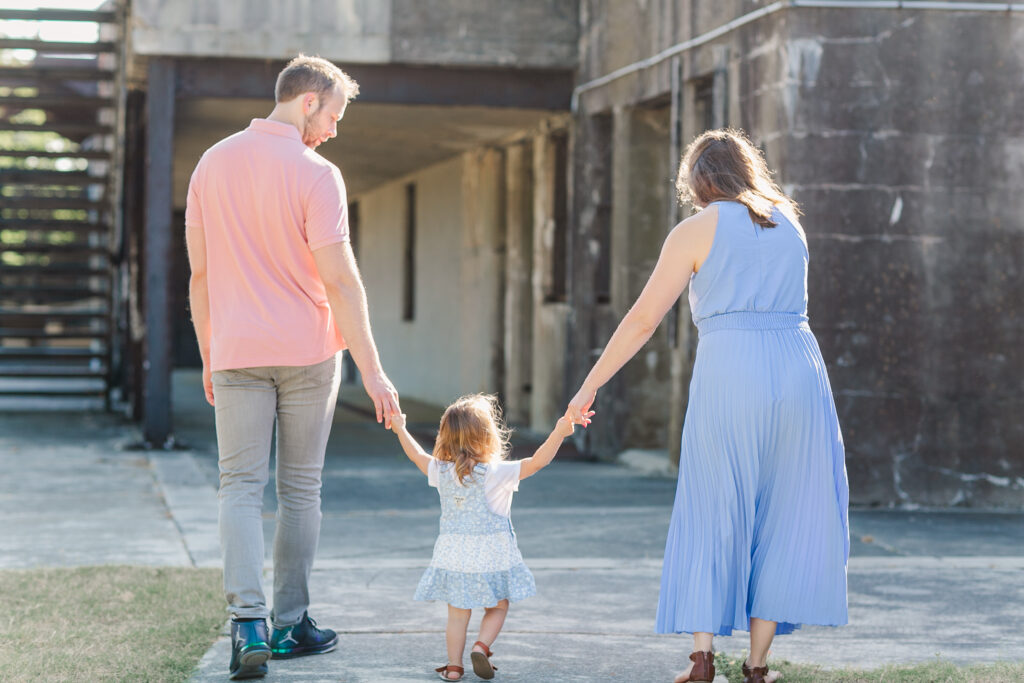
x=759 y=537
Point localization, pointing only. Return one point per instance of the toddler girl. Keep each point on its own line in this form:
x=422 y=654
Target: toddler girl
x=476 y=561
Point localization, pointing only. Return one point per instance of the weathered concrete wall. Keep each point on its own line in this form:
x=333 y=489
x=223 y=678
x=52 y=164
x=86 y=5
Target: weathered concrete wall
x=342 y=30
x=899 y=133
x=421 y=356
x=528 y=33
x=904 y=142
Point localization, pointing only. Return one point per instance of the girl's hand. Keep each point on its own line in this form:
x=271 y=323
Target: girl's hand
x=564 y=427
x=398 y=423
x=579 y=407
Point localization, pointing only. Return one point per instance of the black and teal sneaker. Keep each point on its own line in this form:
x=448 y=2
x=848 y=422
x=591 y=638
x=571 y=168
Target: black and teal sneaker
x=302 y=639
x=250 y=649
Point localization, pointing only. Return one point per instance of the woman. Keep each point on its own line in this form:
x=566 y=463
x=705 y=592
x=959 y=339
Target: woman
x=759 y=537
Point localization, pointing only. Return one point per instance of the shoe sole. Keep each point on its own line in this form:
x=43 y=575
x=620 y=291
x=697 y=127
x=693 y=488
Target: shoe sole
x=481 y=665
x=322 y=650
x=252 y=665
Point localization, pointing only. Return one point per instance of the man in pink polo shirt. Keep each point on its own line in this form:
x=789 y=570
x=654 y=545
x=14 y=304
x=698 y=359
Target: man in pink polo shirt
x=276 y=295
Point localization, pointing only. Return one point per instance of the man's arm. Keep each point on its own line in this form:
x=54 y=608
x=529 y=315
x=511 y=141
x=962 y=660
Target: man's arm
x=347 y=298
x=199 y=300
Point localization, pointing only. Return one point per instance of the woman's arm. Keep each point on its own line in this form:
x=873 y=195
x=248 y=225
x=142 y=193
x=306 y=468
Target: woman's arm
x=412 y=449
x=684 y=250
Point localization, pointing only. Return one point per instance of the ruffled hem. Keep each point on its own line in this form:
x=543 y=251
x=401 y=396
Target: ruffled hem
x=782 y=627
x=485 y=589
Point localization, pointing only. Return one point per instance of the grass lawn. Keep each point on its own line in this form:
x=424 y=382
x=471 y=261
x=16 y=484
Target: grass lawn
x=107 y=623
x=930 y=672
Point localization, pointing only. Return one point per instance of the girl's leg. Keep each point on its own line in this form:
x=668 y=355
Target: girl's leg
x=455 y=635
x=490 y=625
x=701 y=643
x=761 y=634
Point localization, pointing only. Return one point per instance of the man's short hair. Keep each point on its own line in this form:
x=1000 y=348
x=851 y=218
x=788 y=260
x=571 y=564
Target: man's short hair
x=313 y=74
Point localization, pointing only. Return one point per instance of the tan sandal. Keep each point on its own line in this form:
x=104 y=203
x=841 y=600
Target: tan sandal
x=757 y=674
x=442 y=671
x=482 y=666
x=703 y=668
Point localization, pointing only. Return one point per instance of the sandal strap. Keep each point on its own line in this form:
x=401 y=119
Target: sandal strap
x=703 y=666
x=450 y=667
x=754 y=674
x=487 y=650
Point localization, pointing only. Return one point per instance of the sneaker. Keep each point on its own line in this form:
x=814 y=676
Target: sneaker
x=250 y=649
x=302 y=639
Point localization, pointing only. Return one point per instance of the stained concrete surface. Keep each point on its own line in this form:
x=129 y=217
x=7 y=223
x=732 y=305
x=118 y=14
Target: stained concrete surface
x=922 y=584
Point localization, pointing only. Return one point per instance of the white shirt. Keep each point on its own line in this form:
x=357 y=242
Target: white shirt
x=500 y=482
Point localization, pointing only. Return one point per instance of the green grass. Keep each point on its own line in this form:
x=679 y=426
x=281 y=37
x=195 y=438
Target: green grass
x=107 y=623
x=931 y=672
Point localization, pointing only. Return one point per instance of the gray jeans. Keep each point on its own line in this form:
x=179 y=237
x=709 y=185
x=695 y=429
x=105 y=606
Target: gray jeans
x=302 y=399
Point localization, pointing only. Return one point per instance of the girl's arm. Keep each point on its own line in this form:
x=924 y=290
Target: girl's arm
x=546 y=453
x=685 y=248
x=419 y=457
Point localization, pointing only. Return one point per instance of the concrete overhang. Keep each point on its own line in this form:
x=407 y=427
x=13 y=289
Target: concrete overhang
x=376 y=143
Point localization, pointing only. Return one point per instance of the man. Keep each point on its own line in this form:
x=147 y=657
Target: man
x=275 y=296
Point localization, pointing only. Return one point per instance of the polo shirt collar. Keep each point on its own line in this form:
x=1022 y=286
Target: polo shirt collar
x=285 y=130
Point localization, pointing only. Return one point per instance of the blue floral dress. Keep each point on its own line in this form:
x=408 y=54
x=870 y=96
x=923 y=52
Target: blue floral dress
x=476 y=560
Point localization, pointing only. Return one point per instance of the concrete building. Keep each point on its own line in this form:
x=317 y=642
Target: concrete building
x=510 y=172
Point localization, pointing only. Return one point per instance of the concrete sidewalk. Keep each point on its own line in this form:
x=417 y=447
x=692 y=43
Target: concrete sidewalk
x=921 y=583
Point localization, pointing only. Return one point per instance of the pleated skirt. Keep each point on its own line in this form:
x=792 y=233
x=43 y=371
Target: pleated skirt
x=759 y=526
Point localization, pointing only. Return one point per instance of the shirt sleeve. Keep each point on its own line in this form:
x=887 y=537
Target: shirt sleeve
x=432 y=472
x=501 y=481
x=327 y=211
x=193 y=206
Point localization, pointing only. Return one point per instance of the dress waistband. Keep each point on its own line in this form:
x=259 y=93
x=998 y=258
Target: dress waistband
x=752 y=320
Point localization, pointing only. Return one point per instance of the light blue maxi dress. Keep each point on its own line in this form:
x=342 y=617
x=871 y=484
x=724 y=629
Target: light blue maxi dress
x=759 y=527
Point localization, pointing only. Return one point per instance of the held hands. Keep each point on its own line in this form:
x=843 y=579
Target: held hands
x=384 y=396
x=564 y=427
x=579 y=411
x=398 y=423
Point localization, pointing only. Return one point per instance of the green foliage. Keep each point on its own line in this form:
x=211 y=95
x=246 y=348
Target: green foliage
x=937 y=671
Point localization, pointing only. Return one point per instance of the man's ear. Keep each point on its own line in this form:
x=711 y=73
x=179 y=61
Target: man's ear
x=310 y=103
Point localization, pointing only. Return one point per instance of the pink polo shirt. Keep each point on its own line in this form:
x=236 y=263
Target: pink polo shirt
x=265 y=201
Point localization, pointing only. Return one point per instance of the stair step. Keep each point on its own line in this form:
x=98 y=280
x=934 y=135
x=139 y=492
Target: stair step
x=49 y=74
x=55 y=47
x=41 y=154
x=51 y=354
x=68 y=128
x=28 y=176
x=46 y=101
x=64 y=314
x=96 y=16
x=54 y=225
x=51 y=203
x=55 y=371
x=91 y=335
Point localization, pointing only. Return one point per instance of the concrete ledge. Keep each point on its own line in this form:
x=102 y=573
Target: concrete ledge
x=650 y=461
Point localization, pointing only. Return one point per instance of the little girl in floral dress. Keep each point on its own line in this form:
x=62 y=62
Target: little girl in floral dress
x=476 y=562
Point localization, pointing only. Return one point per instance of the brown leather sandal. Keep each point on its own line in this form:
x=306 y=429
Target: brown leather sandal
x=442 y=671
x=703 y=668
x=756 y=674
x=482 y=666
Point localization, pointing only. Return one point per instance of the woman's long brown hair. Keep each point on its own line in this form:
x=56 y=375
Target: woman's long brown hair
x=724 y=164
x=471 y=432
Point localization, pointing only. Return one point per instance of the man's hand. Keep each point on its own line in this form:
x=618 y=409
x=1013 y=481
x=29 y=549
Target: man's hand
x=208 y=384
x=384 y=396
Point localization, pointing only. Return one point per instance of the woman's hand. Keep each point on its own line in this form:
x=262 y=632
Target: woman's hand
x=579 y=411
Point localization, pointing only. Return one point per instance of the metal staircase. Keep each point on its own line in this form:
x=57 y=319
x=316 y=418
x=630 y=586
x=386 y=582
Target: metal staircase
x=59 y=118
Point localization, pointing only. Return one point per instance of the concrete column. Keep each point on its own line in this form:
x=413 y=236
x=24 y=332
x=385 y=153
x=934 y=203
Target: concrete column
x=482 y=271
x=156 y=389
x=549 y=345
x=518 y=281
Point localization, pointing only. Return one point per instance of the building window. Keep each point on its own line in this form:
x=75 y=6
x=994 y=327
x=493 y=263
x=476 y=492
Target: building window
x=557 y=280
x=409 y=255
